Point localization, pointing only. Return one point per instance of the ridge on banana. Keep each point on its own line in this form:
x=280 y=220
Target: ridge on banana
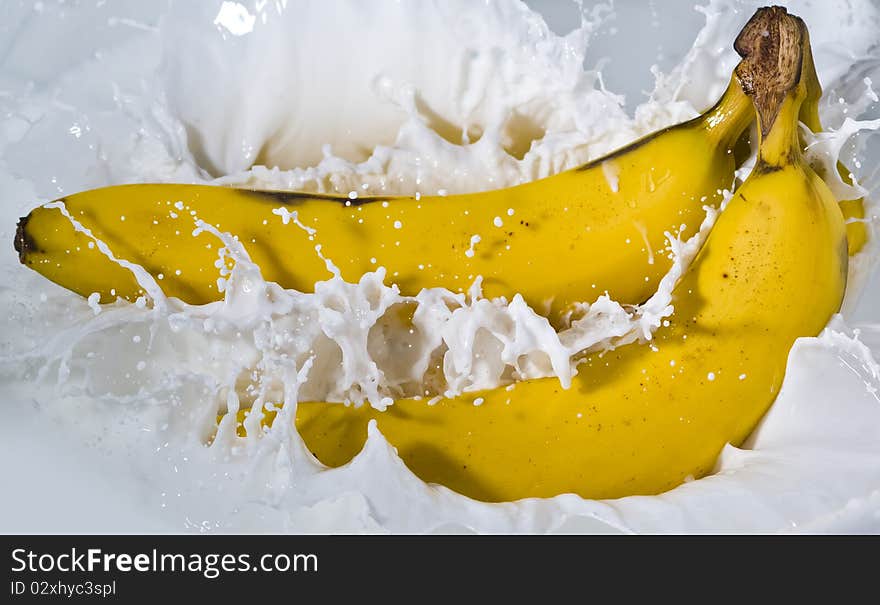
x=639 y=419
x=603 y=224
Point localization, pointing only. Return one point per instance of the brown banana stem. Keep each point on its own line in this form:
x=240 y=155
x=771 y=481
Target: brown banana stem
x=771 y=47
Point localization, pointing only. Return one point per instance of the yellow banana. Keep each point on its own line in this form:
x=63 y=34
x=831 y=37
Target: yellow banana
x=857 y=231
x=610 y=214
x=640 y=419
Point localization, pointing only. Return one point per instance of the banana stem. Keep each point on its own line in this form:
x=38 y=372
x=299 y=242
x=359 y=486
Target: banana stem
x=781 y=146
x=809 y=113
x=731 y=115
x=771 y=45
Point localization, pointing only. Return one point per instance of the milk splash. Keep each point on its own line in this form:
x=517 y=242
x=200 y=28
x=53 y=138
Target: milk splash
x=214 y=91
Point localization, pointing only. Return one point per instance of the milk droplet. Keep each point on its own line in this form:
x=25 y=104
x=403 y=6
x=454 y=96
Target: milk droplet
x=610 y=173
x=94 y=300
x=475 y=239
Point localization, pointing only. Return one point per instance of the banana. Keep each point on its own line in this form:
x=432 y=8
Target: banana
x=610 y=214
x=642 y=419
x=856 y=231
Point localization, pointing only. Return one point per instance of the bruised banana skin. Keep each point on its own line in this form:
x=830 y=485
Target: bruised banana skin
x=610 y=215
x=641 y=419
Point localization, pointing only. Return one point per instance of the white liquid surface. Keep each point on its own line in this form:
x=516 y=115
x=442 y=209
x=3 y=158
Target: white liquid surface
x=108 y=408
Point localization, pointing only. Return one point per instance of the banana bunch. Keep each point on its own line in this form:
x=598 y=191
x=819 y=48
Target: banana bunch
x=610 y=215
x=639 y=419
x=636 y=420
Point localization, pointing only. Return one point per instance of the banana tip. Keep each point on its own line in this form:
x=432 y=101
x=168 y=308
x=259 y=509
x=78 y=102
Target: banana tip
x=23 y=242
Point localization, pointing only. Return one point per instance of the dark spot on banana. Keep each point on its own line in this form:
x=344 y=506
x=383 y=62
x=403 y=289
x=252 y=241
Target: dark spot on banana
x=292 y=198
x=763 y=167
x=23 y=242
x=843 y=252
